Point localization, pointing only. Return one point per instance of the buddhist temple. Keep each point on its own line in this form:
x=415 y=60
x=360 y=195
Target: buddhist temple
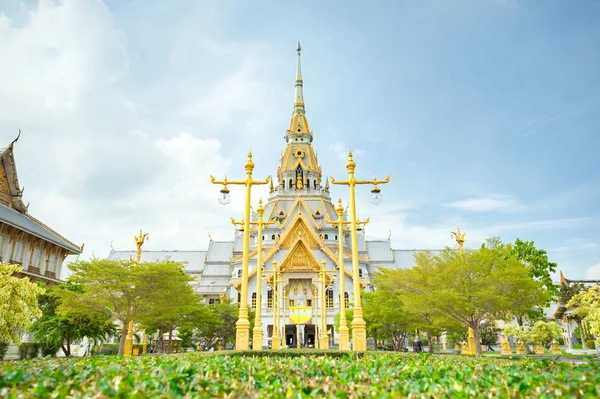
x=25 y=240
x=298 y=240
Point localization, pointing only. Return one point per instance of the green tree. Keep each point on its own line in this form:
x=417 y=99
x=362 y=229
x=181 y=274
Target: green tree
x=539 y=334
x=55 y=331
x=207 y=328
x=18 y=303
x=567 y=292
x=412 y=312
x=218 y=324
x=385 y=316
x=472 y=286
x=122 y=289
x=180 y=306
x=489 y=334
x=586 y=306
x=541 y=269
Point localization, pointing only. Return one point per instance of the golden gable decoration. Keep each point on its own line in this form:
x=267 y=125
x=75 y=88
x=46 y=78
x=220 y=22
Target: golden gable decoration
x=299 y=229
x=300 y=259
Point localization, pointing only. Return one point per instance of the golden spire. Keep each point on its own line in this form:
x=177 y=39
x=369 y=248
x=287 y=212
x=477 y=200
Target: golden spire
x=271 y=189
x=327 y=184
x=299 y=101
x=460 y=238
x=139 y=241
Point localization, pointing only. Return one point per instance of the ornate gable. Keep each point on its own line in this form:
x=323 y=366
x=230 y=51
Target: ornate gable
x=300 y=229
x=300 y=259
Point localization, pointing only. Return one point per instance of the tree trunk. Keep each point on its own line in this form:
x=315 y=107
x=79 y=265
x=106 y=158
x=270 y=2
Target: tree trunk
x=519 y=320
x=160 y=340
x=429 y=343
x=123 y=337
x=579 y=323
x=170 y=339
x=475 y=328
x=64 y=349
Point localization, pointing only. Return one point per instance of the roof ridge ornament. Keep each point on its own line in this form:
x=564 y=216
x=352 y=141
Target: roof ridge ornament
x=15 y=140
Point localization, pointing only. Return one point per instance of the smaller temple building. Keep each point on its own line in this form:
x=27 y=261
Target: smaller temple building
x=24 y=240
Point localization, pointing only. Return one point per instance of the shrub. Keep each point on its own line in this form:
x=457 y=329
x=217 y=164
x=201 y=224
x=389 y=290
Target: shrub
x=291 y=353
x=248 y=374
x=590 y=344
x=49 y=348
x=29 y=350
x=3 y=349
x=106 y=349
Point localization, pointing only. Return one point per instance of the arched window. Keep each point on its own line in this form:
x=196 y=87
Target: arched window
x=254 y=300
x=299 y=173
x=291 y=183
x=239 y=273
x=336 y=237
x=315 y=184
x=273 y=237
x=360 y=273
x=263 y=238
x=270 y=299
x=326 y=237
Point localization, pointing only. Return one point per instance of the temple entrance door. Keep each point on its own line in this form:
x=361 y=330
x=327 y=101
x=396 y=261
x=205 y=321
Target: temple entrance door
x=309 y=335
x=290 y=336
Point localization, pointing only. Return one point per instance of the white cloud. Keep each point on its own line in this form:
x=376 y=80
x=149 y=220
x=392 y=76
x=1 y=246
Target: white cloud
x=576 y=245
x=593 y=273
x=63 y=50
x=499 y=203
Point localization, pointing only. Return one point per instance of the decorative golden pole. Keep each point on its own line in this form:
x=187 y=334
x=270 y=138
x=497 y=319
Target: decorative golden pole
x=242 y=327
x=139 y=241
x=285 y=300
x=344 y=339
x=359 y=327
x=460 y=240
x=276 y=338
x=257 y=332
x=324 y=340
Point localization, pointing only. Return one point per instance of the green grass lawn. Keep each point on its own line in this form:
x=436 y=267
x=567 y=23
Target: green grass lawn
x=296 y=375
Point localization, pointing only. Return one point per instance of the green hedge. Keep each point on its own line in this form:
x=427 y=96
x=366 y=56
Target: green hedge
x=49 y=348
x=285 y=374
x=105 y=349
x=590 y=344
x=29 y=350
x=3 y=349
x=290 y=353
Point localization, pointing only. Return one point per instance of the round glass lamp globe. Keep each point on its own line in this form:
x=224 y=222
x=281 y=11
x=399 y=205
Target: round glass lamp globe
x=224 y=198
x=376 y=198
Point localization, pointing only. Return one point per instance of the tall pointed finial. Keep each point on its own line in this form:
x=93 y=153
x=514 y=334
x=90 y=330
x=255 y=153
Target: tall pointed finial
x=327 y=184
x=299 y=100
x=271 y=189
x=460 y=238
x=19 y=135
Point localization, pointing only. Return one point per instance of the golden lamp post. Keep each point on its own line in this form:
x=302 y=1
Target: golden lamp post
x=343 y=330
x=324 y=339
x=275 y=282
x=242 y=327
x=257 y=332
x=128 y=348
x=359 y=327
x=460 y=240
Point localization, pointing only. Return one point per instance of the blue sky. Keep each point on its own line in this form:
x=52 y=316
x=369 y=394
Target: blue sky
x=485 y=113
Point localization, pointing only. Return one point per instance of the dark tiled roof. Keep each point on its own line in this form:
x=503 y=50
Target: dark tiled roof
x=33 y=226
